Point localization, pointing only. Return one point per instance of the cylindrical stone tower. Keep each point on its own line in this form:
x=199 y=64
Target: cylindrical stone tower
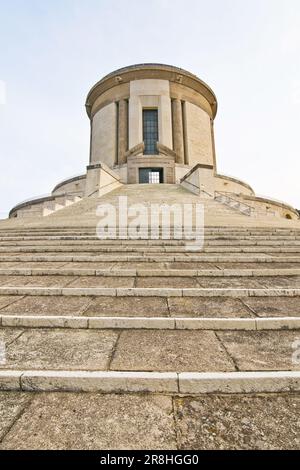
x=151 y=121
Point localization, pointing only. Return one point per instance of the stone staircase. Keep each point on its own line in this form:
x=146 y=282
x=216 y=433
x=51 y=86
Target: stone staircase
x=44 y=206
x=181 y=345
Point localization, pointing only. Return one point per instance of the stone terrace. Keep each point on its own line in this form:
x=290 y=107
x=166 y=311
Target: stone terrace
x=143 y=344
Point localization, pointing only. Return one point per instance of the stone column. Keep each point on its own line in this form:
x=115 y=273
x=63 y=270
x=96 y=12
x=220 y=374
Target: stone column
x=178 y=130
x=165 y=121
x=122 y=132
x=213 y=144
x=135 y=124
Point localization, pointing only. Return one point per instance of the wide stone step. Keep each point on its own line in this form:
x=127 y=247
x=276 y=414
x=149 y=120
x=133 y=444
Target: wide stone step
x=91 y=421
x=150 y=323
x=52 y=235
x=150 y=382
x=219 y=233
x=148 y=272
x=36 y=359
x=48 y=228
x=235 y=292
x=246 y=265
x=150 y=307
x=131 y=280
x=86 y=250
x=144 y=244
x=147 y=350
x=238 y=268
x=165 y=258
x=94 y=240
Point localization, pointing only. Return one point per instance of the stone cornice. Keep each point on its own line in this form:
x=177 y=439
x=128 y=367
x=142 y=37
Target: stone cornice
x=235 y=180
x=67 y=181
x=154 y=71
x=136 y=150
x=164 y=150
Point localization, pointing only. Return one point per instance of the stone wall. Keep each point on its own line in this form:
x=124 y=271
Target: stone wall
x=199 y=139
x=104 y=136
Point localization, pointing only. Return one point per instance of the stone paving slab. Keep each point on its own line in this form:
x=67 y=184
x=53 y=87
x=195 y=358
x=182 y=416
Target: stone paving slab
x=248 y=265
x=7 y=300
x=57 y=349
x=35 y=281
x=208 y=307
x=7 y=281
x=33 y=264
x=270 y=307
x=8 y=335
x=102 y=281
x=92 y=421
x=189 y=265
x=128 y=307
x=137 y=265
x=288 y=253
x=261 y=350
x=173 y=282
x=7 y=264
x=261 y=422
x=171 y=351
x=232 y=282
x=48 y=281
x=96 y=421
x=11 y=407
x=87 y=265
x=43 y=305
x=281 y=281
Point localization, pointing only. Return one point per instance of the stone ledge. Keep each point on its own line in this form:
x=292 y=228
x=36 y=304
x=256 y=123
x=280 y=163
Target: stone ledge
x=102 y=381
x=166 y=258
x=149 y=292
x=113 y=272
x=151 y=382
x=239 y=382
x=154 y=323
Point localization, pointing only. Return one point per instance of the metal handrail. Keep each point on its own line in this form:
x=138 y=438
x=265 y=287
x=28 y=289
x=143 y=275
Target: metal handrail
x=232 y=199
x=261 y=210
x=237 y=204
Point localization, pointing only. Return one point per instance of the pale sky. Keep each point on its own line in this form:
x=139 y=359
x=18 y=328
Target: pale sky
x=53 y=51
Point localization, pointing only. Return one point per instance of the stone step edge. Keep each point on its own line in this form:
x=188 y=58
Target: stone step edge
x=148 y=241
x=153 y=252
x=150 y=382
x=143 y=244
x=154 y=323
x=231 y=258
x=91 y=230
x=115 y=272
x=149 y=292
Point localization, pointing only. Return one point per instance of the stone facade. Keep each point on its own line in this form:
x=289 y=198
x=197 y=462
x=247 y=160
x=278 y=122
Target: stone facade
x=185 y=107
x=181 y=133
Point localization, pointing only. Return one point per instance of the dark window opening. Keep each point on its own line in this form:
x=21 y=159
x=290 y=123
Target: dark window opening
x=150 y=175
x=150 y=131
